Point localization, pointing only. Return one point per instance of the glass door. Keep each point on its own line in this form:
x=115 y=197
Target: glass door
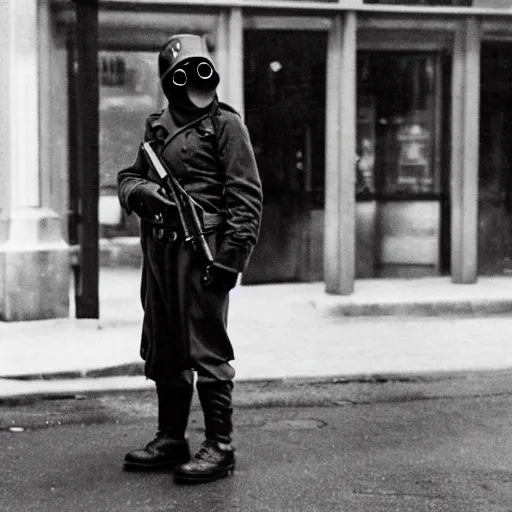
x=399 y=184
x=284 y=91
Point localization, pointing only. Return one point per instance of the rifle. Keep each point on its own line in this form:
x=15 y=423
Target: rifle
x=190 y=220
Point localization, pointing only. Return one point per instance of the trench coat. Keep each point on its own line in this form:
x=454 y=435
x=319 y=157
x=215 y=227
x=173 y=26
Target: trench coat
x=184 y=325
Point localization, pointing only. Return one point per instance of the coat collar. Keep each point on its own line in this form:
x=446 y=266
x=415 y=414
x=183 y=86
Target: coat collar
x=165 y=120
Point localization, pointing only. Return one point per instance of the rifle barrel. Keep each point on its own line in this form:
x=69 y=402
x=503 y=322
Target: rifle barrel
x=182 y=203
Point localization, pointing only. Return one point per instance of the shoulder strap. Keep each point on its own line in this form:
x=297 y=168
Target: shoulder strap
x=174 y=130
x=229 y=108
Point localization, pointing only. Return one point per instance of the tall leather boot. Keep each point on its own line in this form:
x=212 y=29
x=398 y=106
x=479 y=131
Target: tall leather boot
x=169 y=448
x=215 y=459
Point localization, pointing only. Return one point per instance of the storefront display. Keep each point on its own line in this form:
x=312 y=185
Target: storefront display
x=365 y=166
x=414 y=172
x=396 y=111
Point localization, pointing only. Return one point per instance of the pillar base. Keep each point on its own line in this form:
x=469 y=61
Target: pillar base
x=34 y=266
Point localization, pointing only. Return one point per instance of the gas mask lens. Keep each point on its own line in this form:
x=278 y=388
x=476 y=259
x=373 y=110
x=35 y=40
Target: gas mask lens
x=179 y=77
x=203 y=71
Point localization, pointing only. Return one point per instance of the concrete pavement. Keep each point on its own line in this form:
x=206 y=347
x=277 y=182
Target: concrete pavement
x=286 y=331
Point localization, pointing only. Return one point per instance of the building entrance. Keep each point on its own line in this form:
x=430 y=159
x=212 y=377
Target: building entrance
x=495 y=164
x=284 y=93
x=400 y=187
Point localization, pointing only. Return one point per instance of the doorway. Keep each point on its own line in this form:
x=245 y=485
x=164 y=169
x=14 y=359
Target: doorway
x=495 y=165
x=284 y=91
x=400 y=187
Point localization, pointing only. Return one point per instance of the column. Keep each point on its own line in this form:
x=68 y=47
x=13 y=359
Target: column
x=339 y=248
x=34 y=266
x=87 y=160
x=221 y=54
x=464 y=154
x=229 y=58
x=235 y=77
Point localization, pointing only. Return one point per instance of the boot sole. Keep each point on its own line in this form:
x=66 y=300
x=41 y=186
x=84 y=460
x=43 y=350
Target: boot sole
x=165 y=466
x=191 y=480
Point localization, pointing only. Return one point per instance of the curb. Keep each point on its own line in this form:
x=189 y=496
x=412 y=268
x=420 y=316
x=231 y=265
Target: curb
x=122 y=370
x=325 y=391
x=470 y=308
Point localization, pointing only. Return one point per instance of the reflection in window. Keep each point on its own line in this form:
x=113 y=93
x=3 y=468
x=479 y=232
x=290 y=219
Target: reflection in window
x=112 y=71
x=129 y=92
x=395 y=124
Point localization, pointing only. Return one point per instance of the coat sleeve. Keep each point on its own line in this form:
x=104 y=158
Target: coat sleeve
x=131 y=177
x=243 y=193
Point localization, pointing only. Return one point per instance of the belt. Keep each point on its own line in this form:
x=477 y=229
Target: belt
x=210 y=221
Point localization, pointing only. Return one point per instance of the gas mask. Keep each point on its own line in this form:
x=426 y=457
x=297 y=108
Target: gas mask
x=186 y=70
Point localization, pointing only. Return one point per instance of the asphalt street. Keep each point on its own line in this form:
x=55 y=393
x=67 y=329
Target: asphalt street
x=411 y=445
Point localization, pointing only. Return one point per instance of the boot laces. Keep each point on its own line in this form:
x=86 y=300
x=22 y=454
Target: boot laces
x=208 y=452
x=153 y=444
x=158 y=441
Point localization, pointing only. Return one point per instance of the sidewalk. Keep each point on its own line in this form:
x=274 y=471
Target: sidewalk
x=286 y=331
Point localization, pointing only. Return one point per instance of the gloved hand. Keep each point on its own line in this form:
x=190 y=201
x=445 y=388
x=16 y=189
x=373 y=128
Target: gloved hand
x=219 y=277
x=149 y=199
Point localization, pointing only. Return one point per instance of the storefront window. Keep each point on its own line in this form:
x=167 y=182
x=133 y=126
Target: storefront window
x=395 y=124
x=129 y=92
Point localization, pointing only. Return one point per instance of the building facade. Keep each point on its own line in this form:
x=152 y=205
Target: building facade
x=381 y=132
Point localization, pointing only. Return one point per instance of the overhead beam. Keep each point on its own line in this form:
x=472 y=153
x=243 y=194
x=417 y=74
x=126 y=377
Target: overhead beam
x=286 y=6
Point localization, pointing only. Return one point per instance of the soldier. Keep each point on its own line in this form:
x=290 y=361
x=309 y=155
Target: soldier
x=207 y=148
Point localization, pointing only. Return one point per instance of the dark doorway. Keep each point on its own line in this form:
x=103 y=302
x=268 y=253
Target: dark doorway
x=495 y=167
x=284 y=89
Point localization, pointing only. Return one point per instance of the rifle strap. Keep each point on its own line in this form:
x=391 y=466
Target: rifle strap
x=173 y=131
x=209 y=220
